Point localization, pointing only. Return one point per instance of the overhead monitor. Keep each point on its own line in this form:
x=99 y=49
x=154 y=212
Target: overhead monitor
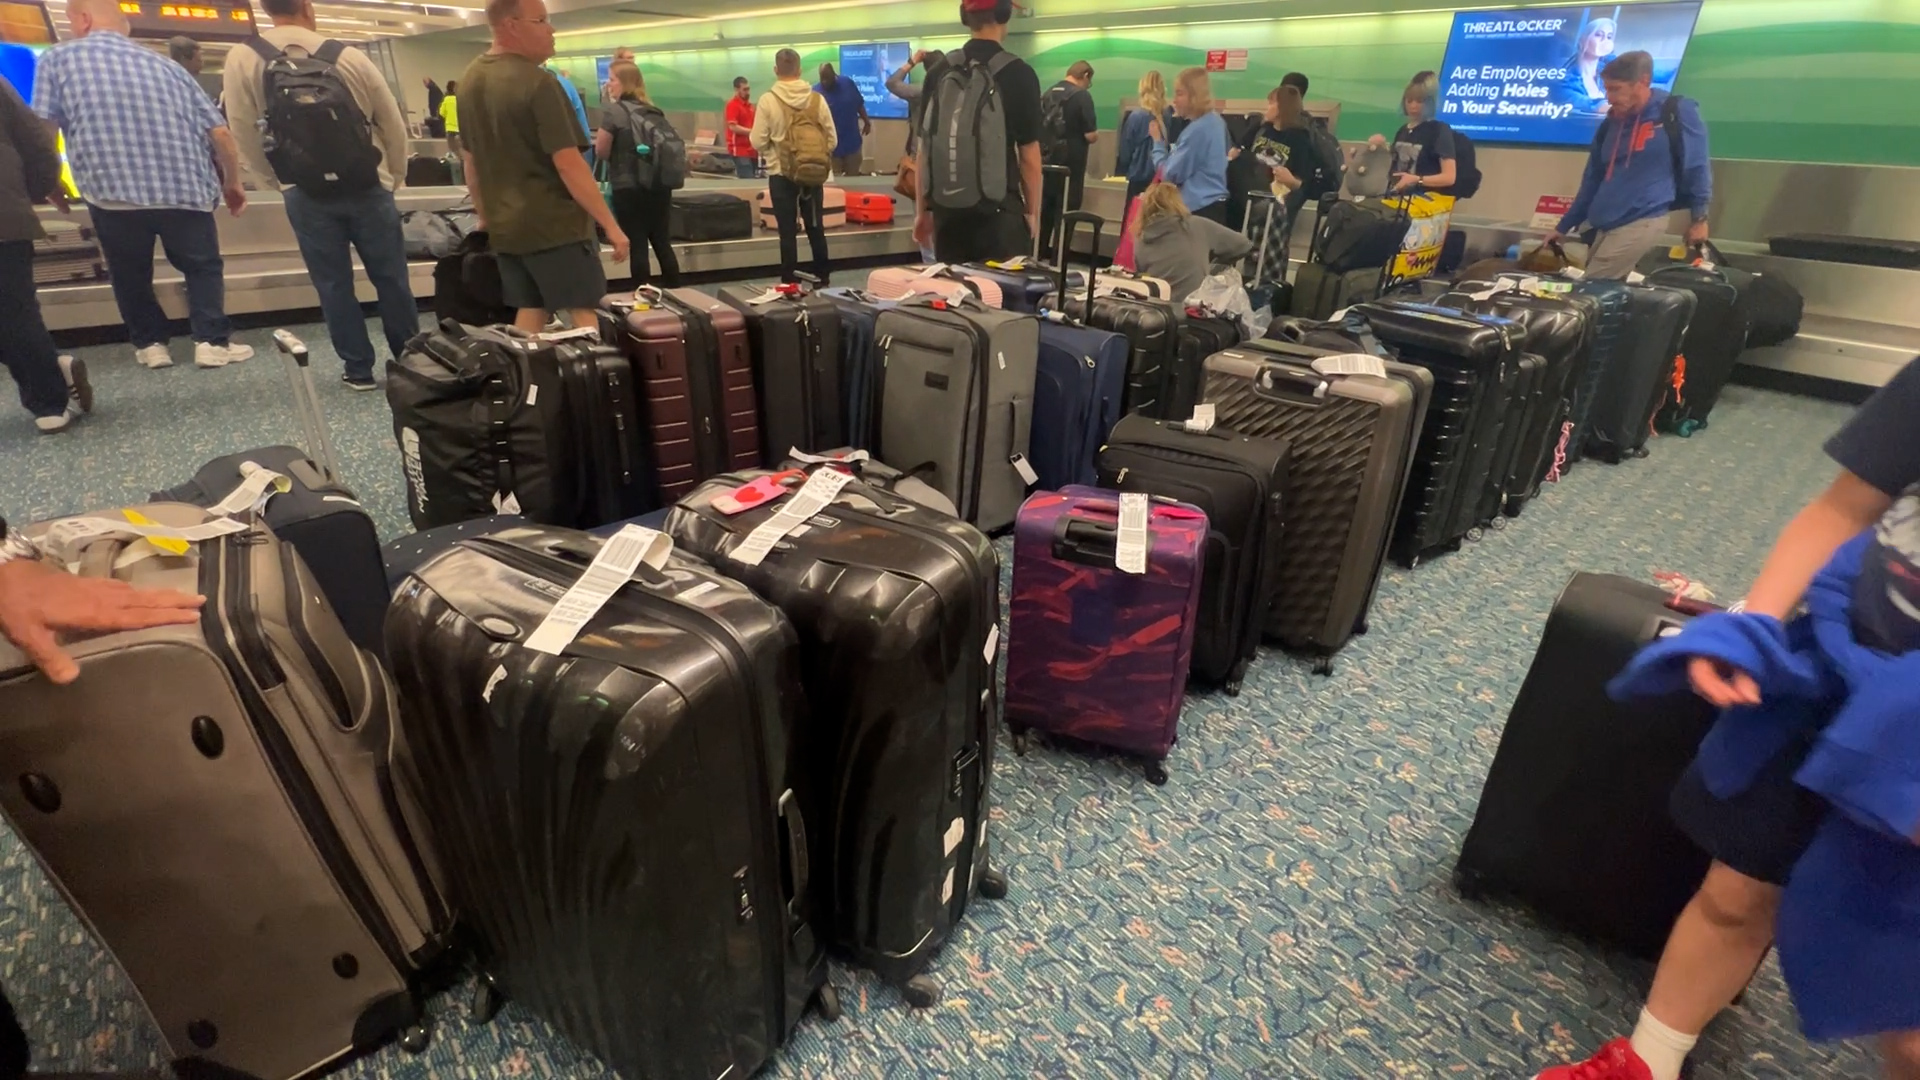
x=868 y=66
x=1532 y=75
x=201 y=20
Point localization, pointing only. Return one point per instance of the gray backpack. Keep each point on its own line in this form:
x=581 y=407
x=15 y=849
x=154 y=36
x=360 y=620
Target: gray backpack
x=966 y=136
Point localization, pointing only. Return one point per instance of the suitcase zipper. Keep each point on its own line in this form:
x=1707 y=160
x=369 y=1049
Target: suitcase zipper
x=229 y=631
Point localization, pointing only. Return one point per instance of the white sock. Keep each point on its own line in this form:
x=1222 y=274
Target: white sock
x=1662 y=1048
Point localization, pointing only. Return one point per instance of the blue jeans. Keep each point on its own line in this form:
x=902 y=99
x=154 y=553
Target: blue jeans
x=746 y=168
x=329 y=232
x=192 y=244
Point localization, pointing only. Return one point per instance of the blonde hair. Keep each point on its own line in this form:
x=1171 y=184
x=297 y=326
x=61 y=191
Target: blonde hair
x=627 y=74
x=1199 y=87
x=1153 y=93
x=1162 y=200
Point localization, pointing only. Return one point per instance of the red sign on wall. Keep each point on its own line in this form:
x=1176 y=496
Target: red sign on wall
x=1549 y=209
x=1227 y=60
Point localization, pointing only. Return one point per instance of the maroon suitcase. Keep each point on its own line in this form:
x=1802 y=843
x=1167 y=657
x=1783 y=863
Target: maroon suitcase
x=695 y=367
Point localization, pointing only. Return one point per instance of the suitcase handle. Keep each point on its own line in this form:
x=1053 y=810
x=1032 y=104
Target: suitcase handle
x=1049 y=174
x=1278 y=379
x=1070 y=223
x=1089 y=543
x=799 y=869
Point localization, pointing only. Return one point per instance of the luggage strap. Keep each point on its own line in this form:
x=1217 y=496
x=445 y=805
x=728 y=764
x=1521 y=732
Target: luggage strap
x=499 y=424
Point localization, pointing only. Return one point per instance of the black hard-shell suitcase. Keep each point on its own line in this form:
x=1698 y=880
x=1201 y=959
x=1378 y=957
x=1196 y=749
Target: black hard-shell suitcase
x=1638 y=380
x=1350 y=440
x=481 y=419
x=1200 y=337
x=1522 y=410
x=1241 y=483
x=898 y=612
x=1611 y=342
x=797 y=361
x=411 y=552
x=424 y=171
x=1158 y=370
x=1716 y=336
x=710 y=216
x=1476 y=368
x=1579 y=788
x=610 y=445
x=620 y=825
x=317 y=514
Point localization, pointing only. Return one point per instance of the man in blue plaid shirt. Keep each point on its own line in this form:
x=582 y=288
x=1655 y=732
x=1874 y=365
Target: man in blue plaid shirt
x=153 y=157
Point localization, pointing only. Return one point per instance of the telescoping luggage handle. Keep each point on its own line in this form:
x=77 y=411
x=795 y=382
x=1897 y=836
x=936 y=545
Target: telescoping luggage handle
x=1049 y=174
x=306 y=406
x=1070 y=223
x=1255 y=198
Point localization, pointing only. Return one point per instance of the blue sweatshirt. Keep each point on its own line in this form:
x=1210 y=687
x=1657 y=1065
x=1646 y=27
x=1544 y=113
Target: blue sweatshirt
x=1197 y=164
x=1630 y=175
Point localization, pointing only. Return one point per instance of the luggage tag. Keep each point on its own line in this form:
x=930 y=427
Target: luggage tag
x=578 y=333
x=758 y=493
x=1351 y=364
x=1130 y=547
x=1025 y=468
x=818 y=493
x=65 y=539
x=619 y=557
x=257 y=485
x=1635 y=277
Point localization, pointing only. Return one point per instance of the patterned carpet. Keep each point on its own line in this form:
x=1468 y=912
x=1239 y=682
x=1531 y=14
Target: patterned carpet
x=1281 y=909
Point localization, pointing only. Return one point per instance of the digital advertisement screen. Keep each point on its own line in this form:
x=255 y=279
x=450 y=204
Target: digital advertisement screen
x=1532 y=75
x=868 y=66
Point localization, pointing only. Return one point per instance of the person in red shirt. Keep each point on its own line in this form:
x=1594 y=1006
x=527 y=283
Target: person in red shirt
x=746 y=161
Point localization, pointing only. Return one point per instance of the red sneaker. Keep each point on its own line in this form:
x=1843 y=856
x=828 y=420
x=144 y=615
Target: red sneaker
x=1615 y=1061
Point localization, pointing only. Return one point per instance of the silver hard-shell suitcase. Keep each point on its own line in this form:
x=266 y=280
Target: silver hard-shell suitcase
x=213 y=799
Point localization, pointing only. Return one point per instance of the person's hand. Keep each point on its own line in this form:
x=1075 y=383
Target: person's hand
x=37 y=601
x=1722 y=684
x=1405 y=181
x=622 y=247
x=919 y=57
x=236 y=198
x=1554 y=239
x=1377 y=142
x=923 y=229
x=1285 y=176
x=58 y=200
x=1155 y=130
x=1233 y=153
x=1696 y=234
x=866 y=126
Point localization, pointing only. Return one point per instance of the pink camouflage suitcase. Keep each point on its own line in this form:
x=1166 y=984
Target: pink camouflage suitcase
x=1096 y=653
x=895 y=282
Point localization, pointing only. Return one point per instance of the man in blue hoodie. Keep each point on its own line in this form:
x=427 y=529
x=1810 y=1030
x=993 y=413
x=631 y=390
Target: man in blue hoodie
x=1635 y=175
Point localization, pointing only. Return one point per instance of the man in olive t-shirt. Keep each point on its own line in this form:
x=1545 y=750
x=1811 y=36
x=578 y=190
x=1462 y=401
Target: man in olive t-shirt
x=530 y=183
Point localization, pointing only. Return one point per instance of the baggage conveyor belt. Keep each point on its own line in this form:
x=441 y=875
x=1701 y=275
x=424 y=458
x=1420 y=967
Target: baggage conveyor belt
x=266 y=275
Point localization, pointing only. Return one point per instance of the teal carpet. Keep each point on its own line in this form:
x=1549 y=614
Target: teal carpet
x=1281 y=909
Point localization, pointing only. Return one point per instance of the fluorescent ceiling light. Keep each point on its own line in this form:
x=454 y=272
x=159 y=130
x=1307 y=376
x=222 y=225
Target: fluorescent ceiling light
x=731 y=16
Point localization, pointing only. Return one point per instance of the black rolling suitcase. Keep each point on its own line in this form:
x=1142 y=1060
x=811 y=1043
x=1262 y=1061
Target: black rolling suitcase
x=1715 y=338
x=1158 y=369
x=1201 y=336
x=1347 y=256
x=1636 y=383
x=603 y=416
x=618 y=822
x=1350 y=439
x=317 y=513
x=710 y=216
x=898 y=612
x=797 y=361
x=1475 y=363
x=1241 y=483
x=481 y=419
x=424 y=171
x=1573 y=821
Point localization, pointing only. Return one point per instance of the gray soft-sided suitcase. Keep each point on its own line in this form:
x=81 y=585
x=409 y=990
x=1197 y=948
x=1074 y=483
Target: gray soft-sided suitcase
x=214 y=801
x=955 y=402
x=1352 y=438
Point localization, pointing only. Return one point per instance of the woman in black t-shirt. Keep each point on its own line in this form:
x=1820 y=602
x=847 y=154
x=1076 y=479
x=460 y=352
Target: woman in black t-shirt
x=1285 y=145
x=1423 y=147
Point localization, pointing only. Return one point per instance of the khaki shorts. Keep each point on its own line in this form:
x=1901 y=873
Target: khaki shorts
x=850 y=164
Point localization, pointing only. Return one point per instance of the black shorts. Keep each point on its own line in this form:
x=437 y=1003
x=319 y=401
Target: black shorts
x=976 y=236
x=1762 y=831
x=558 y=279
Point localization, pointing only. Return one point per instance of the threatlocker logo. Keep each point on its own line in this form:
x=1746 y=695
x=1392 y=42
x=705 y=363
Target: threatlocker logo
x=416 y=474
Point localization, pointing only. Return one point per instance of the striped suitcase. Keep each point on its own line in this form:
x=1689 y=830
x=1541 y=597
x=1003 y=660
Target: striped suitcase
x=899 y=282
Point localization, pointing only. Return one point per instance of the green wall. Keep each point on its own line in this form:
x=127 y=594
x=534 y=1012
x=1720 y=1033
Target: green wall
x=1794 y=80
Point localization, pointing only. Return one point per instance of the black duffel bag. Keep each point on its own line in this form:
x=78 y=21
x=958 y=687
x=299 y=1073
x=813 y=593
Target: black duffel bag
x=1359 y=235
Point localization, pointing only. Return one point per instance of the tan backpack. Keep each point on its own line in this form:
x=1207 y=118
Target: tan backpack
x=806 y=157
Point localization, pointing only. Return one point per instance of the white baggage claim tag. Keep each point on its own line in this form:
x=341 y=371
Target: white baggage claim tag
x=1130 y=550
x=1351 y=364
x=253 y=490
x=1202 y=420
x=619 y=557
x=821 y=489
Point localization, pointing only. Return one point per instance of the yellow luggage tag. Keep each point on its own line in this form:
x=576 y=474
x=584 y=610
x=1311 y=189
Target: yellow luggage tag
x=172 y=545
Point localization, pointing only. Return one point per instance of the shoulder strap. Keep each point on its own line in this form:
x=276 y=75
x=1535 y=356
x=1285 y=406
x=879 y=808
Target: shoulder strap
x=1670 y=119
x=265 y=48
x=1000 y=62
x=329 y=52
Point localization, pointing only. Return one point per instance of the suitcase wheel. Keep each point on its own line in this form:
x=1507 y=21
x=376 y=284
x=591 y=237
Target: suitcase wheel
x=1157 y=773
x=1688 y=427
x=1324 y=665
x=826 y=1002
x=921 y=992
x=993 y=885
x=416 y=1039
x=1467 y=883
x=486 y=1001
x=1022 y=740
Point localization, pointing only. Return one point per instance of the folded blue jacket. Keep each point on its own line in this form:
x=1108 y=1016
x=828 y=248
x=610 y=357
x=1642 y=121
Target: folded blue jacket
x=1843 y=912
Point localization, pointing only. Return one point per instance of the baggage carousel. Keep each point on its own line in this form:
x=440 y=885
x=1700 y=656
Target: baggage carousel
x=266 y=276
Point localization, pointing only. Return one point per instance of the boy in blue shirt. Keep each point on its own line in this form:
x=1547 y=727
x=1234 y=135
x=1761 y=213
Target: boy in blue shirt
x=1758 y=836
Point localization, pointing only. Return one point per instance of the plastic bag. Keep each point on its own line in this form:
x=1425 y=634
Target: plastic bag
x=1222 y=295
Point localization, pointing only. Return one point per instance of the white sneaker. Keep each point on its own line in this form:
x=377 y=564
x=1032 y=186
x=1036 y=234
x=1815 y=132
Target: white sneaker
x=79 y=387
x=208 y=355
x=237 y=352
x=54 y=425
x=153 y=357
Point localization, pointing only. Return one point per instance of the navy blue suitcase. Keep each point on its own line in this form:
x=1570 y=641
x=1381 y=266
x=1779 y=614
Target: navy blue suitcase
x=1025 y=285
x=1080 y=386
x=859 y=359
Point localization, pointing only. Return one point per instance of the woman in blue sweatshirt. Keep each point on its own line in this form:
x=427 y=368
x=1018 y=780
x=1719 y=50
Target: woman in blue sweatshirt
x=1137 y=134
x=1635 y=176
x=1197 y=164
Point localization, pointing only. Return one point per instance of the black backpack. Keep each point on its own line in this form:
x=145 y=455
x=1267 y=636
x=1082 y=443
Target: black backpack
x=1466 y=174
x=662 y=166
x=316 y=138
x=1331 y=170
x=1055 y=144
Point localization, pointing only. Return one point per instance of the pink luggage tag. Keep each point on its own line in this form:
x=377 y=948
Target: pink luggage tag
x=758 y=493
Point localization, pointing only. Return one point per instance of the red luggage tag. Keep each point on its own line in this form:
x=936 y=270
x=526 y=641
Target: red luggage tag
x=758 y=493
